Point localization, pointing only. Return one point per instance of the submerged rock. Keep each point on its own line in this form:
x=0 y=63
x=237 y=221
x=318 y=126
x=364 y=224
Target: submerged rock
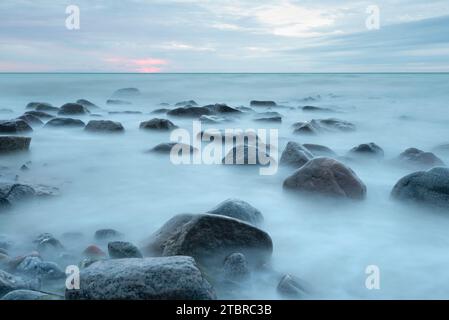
x=36 y=268
x=117 y=102
x=426 y=187
x=104 y=126
x=126 y=92
x=295 y=155
x=316 y=126
x=9 y=282
x=235 y=267
x=13 y=193
x=269 y=119
x=31 y=120
x=290 y=286
x=87 y=104
x=190 y=111
x=210 y=239
x=72 y=109
x=212 y=119
x=160 y=111
x=316 y=109
x=64 y=122
x=238 y=209
x=186 y=103
x=167 y=147
x=14 y=126
x=46 y=108
x=106 y=234
x=158 y=124
x=368 y=150
x=94 y=252
x=23 y=295
x=39 y=114
x=319 y=150
x=221 y=108
x=420 y=159
x=14 y=143
x=326 y=176
x=46 y=241
x=259 y=103
x=168 y=278
x=122 y=249
x=34 y=105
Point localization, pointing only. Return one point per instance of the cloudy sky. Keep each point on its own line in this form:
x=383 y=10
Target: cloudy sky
x=224 y=36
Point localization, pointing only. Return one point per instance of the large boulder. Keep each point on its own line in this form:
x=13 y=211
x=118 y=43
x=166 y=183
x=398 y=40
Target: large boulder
x=235 y=267
x=190 y=112
x=209 y=239
x=9 y=282
x=426 y=187
x=326 y=176
x=158 y=124
x=238 y=209
x=167 y=278
x=295 y=155
x=367 y=150
x=14 y=126
x=73 y=109
x=104 y=126
x=64 y=122
x=13 y=143
x=416 y=158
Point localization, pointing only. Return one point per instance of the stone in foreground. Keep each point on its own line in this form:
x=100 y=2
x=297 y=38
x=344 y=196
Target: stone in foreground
x=13 y=143
x=167 y=278
x=238 y=209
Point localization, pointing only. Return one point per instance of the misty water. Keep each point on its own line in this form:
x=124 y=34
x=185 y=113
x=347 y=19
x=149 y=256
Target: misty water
x=109 y=181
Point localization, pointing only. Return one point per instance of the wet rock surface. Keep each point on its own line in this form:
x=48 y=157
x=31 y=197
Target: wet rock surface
x=158 y=124
x=104 y=126
x=238 y=209
x=14 y=144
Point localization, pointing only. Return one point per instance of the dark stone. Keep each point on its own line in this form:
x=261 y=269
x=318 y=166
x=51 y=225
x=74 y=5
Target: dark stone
x=221 y=108
x=168 y=278
x=319 y=150
x=117 y=102
x=420 y=159
x=160 y=111
x=87 y=104
x=269 y=119
x=426 y=187
x=41 y=105
x=368 y=149
x=94 y=252
x=47 y=241
x=13 y=193
x=122 y=249
x=186 y=103
x=258 y=103
x=316 y=109
x=65 y=122
x=238 y=209
x=295 y=155
x=327 y=177
x=235 y=267
x=323 y=125
x=106 y=234
x=14 y=143
x=190 y=111
x=104 y=126
x=39 y=114
x=247 y=155
x=210 y=239
x=31 y=120
x=158 y=124
x=73 y=109
x=9 y=282
x=46 y=108
x=14 y=126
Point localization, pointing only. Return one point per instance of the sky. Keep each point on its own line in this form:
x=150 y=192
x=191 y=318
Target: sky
x=224 y=36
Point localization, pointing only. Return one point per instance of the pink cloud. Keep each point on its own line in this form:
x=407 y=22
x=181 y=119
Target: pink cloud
x=145 y=65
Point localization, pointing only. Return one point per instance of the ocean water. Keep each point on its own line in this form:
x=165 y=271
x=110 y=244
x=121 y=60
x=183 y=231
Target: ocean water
x=108 y=181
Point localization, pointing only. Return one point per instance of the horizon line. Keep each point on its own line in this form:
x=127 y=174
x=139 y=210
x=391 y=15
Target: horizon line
x=199 y=73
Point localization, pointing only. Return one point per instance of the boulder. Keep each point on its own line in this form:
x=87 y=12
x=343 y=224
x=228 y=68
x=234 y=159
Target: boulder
x=326 y=176
x=186 y=103
x=94 y=252
x=39 y=114
x=221 y=108
x=14 y=143
x=315 y=126
x=259 y=103
x=212 y=119
x=34 y=105
x=126 y=92
x=64 y=122
x=235 y=267
x=31 y=120
x=72 y=109
x=367 y=150
x=168 y=278
x=160 y=111
x=426 y=187
x=45 y=107
x=190 y=112
x=14 y=126
x=35 y=267
x=87 y=104
x=122 y=249
x=24 y=295
x=158 y=124
x=47 y=241
x=416 y=158
x=238 y=209
x=269 y=119
x=319 y=150
x=210 y=239
x=104 y=126
x=9 y=282
x=295 y=155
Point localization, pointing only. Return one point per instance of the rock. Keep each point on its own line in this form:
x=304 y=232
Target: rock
x=72 y=109
x=326 y=176
x=212 y=119
x=186 y=103
x=47 y=241
x=126 y=92
x=94 y=252
x=87 y=104
x=221 y=108
x=190 y=111
x=235 y=267
x=247 y=155
x=316 y=109
x=14 y=143
x=104 y=126
x=269 y=119
x=64 y=122
x=46 y=108
x=14 y=262
x=323 y=125
x=209 y=239
x=158 y=124
x=167 y=147
x=24 y=295
x=426 y=187
x=117 y=102
x=41 y=105
x=13 y=193
x=39 y=114
x=14 y=126
x=122 y=249
x=368 y=150
x=168 y=278
x=420 y=159
x=246 y=109
x=238 y=209
x=36 y=268
x=289 y=286
x=319 y=150
x=31 y=120
x=337 y=124
x=308 y=128
x=106 y=234
x=295 y=155
x=9 y=282
x=269 y=114
x=258 y=103
x=160 y=111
